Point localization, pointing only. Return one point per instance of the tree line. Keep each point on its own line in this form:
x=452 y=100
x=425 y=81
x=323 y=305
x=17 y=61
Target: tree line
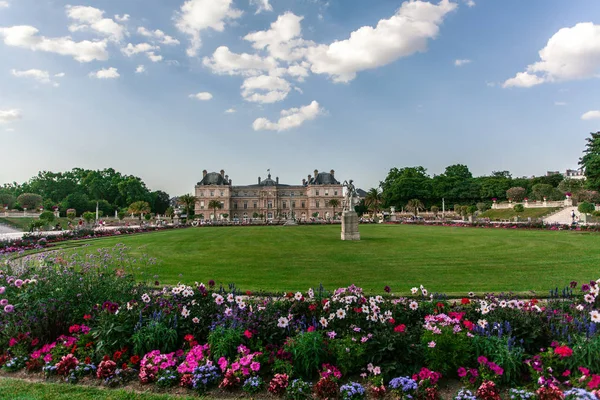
x=81 y=189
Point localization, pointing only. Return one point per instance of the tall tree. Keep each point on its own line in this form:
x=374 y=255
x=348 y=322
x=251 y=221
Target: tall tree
x=189 y=203
x=334 y=203
x=590 y=162
x=139 y=208
x=373 y=200
x=160 y=201
x=214 y=204
x=401 y=185
x=414 y=205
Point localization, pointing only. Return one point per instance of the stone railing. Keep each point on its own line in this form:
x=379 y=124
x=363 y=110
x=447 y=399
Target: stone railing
x=568 y=202
x=19 y=214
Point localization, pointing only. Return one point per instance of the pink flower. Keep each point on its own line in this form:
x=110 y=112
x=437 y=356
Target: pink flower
x=255 y=366
x=431 y=344
x=48 y=358
x=245 y=371
x=12 y=342
x=222 y=364
x=36 y=354
x=482 y=360
x=462 y=372
x=235 y=366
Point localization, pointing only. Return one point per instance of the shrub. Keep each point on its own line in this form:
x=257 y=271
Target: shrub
x=516 y=194
x=253 y=385
x=519 y=208
x=298 y=390
x=586 y=208
x=30 y=201
x=48 y=217
x=224 y=342
x=308 y=352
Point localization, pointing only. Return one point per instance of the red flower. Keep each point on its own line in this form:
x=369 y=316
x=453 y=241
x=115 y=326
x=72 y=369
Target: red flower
x=564 y=351
x=595 y=382
x=248 y=293
x=465 y=301
x=134 y=360
x=124 y=366
x=312 y=307
x=35 y=341
x=400 y=328
x=439 y=305
x=392 y=321
x=88 y=360
x=469 y=325
x=106 y=358
x=87 y=316
x=117 y=355
x=311 y=329
x=247 y=333
x=188 y=338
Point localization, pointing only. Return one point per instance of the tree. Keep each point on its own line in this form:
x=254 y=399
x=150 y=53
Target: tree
x=519 y=208
x=481 y=207
x=404 y=184
x=590 y=196
x=471 y=210
x=573 y=186
x=89 y=216
x=360 y=208
x=121 y=215
x=590 y=162
x=160 y=201
x=586 y=208
x=214 y=204
x=71 y=213
x=7 y=200
x=255 y=215
x=30 y=201
x=78 y=201
x=315 y=215
x=334 y=203
x=435 y=210
x=541 y=191
x=414 y=205
x=170 y=212
x=48 y=217
x=373 y=200
x=139 y=208
x=516 y=194
x=189 y=203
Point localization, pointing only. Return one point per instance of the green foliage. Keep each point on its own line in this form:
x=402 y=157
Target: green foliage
x=519 y=208
x=349 y=354
x=308 y=350
x=89 y=216
x=7 y=200
x=509 y=356
x=189 y=202
x=449 y=351
x=48 y=217
x=224 y=342
x=157 y=332
x=160 y=201
x=30 y=201
x=121 y=215
x=80 y=202
x=148 y=217
x=585 y=353
x=516 y=194
x=590 y=162
x=471 y=210
x=435 y=209
x=482 y=207
x=404 y=184
x=586 y=208
x=298 y=390
x=542 y=190
x=214 y=205
x=139 y=208
x=414 y=205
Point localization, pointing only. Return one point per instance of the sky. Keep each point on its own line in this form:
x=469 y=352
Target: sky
x=163 y=89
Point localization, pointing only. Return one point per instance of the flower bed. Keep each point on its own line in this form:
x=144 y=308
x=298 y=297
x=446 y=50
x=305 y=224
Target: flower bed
x=87 y=319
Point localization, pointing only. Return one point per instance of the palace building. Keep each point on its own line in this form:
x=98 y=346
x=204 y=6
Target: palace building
x=268 y=198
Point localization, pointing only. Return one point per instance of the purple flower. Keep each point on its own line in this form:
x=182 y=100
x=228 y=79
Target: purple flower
x=3 y=302
x=387 y=289
x=19 y=283
x=211 y=283
x=585 y=288
x=2 y=289
x=9 y=308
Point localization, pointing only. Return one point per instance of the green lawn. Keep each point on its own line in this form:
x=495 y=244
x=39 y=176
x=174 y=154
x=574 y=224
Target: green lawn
x=443 y=259
x=509 y=213
x=23 y=223
x=17 y=389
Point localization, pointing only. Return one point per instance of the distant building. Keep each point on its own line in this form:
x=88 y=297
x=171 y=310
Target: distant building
x=570 y=173
x=268 y=197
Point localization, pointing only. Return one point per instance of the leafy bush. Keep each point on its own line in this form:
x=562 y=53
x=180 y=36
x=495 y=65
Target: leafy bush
x=586 y=208
x=224 y=342
x=308 y=352
x=48 y=217
x=519 y=208
x=30 y=201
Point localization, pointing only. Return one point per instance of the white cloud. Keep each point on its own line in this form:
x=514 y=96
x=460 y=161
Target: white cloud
x=223 y=61
x=122 y=18
x=490 y=84
x=291 y=118
x=10 y=115
x=560 y=103
x=470 y=3
x=105 y=73
x=4 y=4
x=140 y=69
x=298 y=71
x=265 y=89
x=198 y=15
x=27 y=37
x=154 y=57
x=230 y=111
x=460 y=63
x=591 y=115
x=523 y=79
x=131 y=49
x=9 y=130
x=60 y=75
x=90 y=18
x=201 y=96
x=38 y=75
x=402 y=35
x=261 y=5
x=571 y=53
x=158 y=35
x=282 y=40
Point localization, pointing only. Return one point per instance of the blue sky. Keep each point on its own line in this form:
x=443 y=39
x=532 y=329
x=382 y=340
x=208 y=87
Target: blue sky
x=352 y=85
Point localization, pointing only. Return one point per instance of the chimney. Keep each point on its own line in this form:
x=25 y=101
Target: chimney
x=259 y=180
x=204 y=173
x=332 y=172
x=230 y=182
x=316 y=172
x=277 y=180
x=223 y=173
x=309 y=179
x=227 y=177
x=303 y=182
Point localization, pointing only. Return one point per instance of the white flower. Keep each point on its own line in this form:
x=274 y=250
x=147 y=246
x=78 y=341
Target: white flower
x=331 y=316
x=579 y=307
x=219 y=299
x=595 y=290
x=176 y=290
x=471 y=294
x=129 y=306
x=228 y=312
x=373 y=317
x=282 y=322
x=503 y=303
x=485 y=310
x=595 y=315
x=146 y=298
x=185 y=312
x=324 y=322
x=589 y=298
x=379 y=299
x=242 y=305
x=230 y=297
x=424 y=291
x=311 y=293
x=341 y=313
x=298 y=296
x=195 y=320
x=365 y=309
x=414 y=290
x=536 y=308
x=238 y=299
x=188 y=292
x=482 y=323
x=413 y=305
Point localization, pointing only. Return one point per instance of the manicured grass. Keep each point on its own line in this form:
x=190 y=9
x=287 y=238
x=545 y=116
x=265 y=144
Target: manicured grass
x=17 y=389
x=23 y=223
x=452 y=260
x=509 y=213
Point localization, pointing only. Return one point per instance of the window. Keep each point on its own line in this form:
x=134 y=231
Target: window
x=235 y=205
x=303 y=204
x=335 y=192
x=222 y=205
x=284 y=204
x=270 y=204
x=202 y=204
x=245 y=205
x=293 y=204
x=255 y=204
x=222 y=194
x=270 y=215
x=326 y=192
x=317 y=203
x=317 y=192
x=212 y=193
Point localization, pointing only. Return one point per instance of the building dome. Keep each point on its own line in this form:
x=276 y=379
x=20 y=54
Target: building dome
x=213 y=178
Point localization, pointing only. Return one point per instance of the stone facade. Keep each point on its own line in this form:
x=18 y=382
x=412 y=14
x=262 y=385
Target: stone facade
x=268 y=197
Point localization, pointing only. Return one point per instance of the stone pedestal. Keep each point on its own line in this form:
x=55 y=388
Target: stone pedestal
x=350 y=226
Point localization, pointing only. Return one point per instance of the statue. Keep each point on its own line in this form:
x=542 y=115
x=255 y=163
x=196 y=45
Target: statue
x=350 y=195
